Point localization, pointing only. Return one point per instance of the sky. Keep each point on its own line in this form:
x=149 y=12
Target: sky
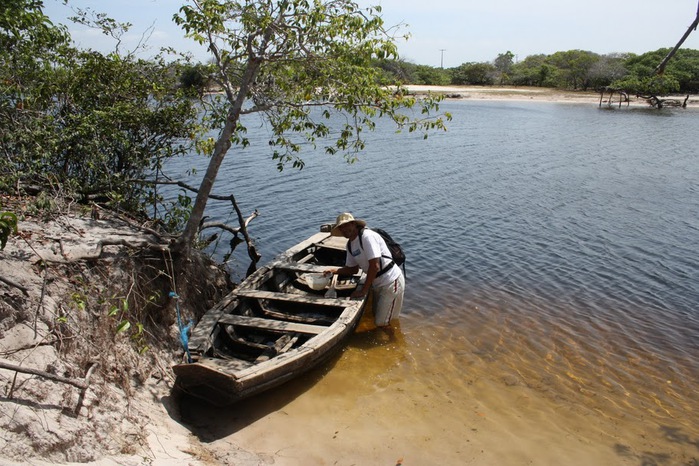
x=444 y=33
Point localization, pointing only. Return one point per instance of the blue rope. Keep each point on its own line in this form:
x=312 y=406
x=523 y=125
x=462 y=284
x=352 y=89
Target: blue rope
x=184 y=338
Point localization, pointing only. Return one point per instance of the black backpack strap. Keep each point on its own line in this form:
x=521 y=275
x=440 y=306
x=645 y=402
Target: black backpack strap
x=383 y=270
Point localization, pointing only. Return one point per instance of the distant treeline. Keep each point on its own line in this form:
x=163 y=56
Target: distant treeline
x=573 y=69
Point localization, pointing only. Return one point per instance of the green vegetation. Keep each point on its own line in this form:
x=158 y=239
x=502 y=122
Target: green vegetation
x=87 y=122
x=8 y=226
x=572 y=69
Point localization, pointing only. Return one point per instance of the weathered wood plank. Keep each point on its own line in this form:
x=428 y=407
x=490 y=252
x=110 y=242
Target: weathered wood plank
x=312 y=319
x=270 y=324
x=202 y=335
x=334 y=242
x=282 y=345
x=297 y=298
x=301 y=267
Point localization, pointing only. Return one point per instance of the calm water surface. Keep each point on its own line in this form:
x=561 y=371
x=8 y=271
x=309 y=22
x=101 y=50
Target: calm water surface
x=550 y=247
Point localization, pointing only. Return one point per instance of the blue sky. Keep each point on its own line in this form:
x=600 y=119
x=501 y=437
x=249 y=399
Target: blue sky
x=452 y=31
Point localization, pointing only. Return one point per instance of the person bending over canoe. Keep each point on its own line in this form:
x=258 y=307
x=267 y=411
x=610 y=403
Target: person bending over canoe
x=367 y=250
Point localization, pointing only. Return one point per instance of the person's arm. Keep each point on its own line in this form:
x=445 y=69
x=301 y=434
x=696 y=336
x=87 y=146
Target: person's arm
x=346 y=270
x=374 y=266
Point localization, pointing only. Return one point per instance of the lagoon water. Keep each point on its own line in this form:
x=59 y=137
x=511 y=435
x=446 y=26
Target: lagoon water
x=551 y=313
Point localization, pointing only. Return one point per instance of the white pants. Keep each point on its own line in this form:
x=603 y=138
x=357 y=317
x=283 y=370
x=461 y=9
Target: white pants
x=388 y=301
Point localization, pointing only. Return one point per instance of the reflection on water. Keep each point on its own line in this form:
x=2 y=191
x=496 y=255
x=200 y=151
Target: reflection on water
x=552 y=283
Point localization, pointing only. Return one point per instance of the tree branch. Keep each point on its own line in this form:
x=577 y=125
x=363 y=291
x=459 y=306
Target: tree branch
x=81 y=384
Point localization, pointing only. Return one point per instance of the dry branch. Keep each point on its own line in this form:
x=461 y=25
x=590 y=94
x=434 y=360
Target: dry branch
x=81 y=384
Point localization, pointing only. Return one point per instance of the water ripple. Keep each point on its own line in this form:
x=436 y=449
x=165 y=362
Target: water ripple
x=559 y=244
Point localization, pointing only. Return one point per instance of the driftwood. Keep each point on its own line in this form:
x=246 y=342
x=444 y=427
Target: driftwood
x=653 y=101
x=83 y=384
x=657 y=102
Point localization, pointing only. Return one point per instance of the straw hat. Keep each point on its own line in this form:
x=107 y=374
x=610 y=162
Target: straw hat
x=343 y=219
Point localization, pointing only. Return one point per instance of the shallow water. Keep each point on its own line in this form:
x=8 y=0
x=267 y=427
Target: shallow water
x=552 y=283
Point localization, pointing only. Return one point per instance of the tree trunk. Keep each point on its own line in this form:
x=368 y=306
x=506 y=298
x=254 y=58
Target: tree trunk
x=186 y=240
x=661 y=67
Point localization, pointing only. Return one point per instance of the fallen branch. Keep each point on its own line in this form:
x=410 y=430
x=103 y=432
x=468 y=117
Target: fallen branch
x=9 y=282
x=28 y=347
x=252 y=251
x=83 y=384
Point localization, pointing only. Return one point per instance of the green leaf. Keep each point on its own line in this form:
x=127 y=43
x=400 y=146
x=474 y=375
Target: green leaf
x=123 y=326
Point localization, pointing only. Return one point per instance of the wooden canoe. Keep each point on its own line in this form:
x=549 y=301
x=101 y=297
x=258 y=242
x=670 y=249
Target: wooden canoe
x=272 y=327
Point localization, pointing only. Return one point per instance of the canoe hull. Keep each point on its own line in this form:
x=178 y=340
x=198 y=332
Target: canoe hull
x=300 y=328
x=222 y=384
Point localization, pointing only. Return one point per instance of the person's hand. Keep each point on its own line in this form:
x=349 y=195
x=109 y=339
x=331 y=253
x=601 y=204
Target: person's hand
x=358 y=293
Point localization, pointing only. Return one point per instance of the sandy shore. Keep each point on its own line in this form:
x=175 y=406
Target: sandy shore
x=536 y=94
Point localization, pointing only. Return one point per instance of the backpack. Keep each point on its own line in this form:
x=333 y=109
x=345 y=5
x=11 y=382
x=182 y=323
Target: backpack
x=397 y=254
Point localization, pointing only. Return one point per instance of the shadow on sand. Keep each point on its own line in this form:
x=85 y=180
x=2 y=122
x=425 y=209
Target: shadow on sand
x=210 y=423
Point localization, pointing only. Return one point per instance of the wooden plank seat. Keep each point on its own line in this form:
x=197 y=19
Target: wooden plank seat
x=291 y=297
x=301 y=267
x=270 y=324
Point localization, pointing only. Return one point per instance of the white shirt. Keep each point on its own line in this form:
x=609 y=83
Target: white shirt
x=372 y=247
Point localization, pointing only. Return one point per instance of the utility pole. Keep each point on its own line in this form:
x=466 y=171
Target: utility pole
x=442 y=61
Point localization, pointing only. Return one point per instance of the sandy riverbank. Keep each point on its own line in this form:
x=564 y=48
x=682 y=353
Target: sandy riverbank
x=535 y=94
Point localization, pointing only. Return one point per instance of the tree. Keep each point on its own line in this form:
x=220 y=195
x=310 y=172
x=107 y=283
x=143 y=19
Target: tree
x=399 y=71
x=480 y=74
x=534 y=71
x=574 y=67
x=194 y=78
x=298 y=64
x=607 y=69
x=503 y=63
x=431 y=76
x=642 y=79
x=90 y=122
